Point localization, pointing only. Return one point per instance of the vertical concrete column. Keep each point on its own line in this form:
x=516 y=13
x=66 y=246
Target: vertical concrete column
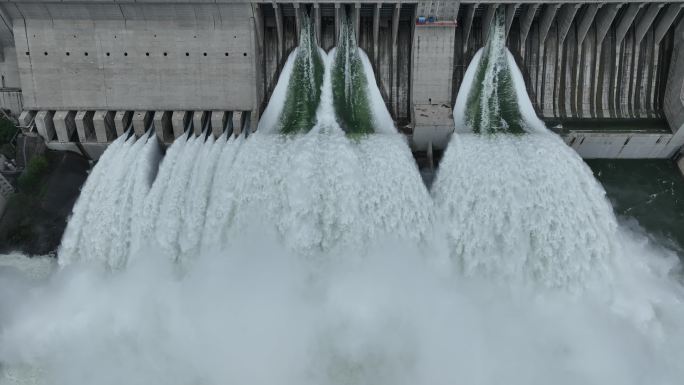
x=641 y=66
x=298 y=19
x=65 y=125
x=645 y=22
x=317 y=22
x=565 y=19
x=586 y=21
x=45 y=125
x=487 y=21
x=510 y=15
x=162 y=126
x=618 y=67
x=279 y=34
x=252 y=121
x=468 y=25
x=599 y=96
x=219 y=120
x=26 y=117
x=85 y=127
x=526 y=22
x=237 y=121
x=666 y=21
x=394 y=73
x=103 y=124
x=141 y=121
x=548 y=14
x=673 y=101
x=376 y=33
x=357 y=21
x=626 y=21
x=200 y=121
x=179 y=122
x=582 y=74
x=545 y=21
x=122 y=121
x=338 y=16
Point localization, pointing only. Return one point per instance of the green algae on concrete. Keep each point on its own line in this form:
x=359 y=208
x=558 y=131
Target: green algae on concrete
x=492 y=105
x=304 y=88
x=349 y=85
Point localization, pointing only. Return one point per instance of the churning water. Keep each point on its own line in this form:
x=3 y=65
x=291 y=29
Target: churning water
x=321 y=258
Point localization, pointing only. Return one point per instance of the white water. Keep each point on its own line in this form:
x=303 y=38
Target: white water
x=315 y=259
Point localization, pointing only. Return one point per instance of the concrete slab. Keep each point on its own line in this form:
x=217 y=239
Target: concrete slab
x=179 y=122
x=620 y=145
x=65 y=125
x=219 y=122
x=85 y=127
x=122 y=120
x=103 y=124
x=680 y=163
x=434 y=123
x=141 y=121
x=162 y=126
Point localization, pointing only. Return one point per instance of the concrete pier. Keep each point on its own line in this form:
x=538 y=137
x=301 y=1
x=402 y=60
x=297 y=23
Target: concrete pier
x=200 y=121
x=65 y=125
x=219 y=122
x=85 y=127
x=103 y=124
x=180 y=121
x=45 y=125
x=162 y=127
x=122 y=121
x=141 y=122
x=237 y=122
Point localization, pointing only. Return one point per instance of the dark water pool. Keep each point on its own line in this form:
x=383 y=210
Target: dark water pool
x=650 y=192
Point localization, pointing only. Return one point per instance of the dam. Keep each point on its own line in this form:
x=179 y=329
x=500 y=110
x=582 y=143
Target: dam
x=606 y=75
x=283 y=232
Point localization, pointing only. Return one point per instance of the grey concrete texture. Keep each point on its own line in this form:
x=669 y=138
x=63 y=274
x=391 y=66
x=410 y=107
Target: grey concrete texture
x=122 y=121
x=85 y=126
x=45 y=125
x=200 y=121
x=193 y=56
x=141 y=122
x=65 y=125
x=103 y=124
x=180 y=121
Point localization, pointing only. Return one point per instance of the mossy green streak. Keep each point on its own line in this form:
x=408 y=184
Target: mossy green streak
x=492 y=105
x=304 y=88
x=349 y=85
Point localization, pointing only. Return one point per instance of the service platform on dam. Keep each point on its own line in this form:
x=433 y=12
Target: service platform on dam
x=83 y=72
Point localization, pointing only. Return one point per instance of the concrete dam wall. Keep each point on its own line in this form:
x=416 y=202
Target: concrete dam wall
x=608 y=75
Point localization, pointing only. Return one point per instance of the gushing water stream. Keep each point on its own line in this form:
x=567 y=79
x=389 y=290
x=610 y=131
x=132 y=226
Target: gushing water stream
x=320 y=258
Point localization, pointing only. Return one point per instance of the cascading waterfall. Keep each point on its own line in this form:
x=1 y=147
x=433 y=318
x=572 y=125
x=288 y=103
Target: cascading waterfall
x=320 y=259
x=531 y=209
x=304 y=88
x=493 y=106
x=317 y=193
x=349 y=84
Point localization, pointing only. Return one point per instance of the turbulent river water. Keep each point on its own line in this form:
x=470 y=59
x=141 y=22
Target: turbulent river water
x=315 y=254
